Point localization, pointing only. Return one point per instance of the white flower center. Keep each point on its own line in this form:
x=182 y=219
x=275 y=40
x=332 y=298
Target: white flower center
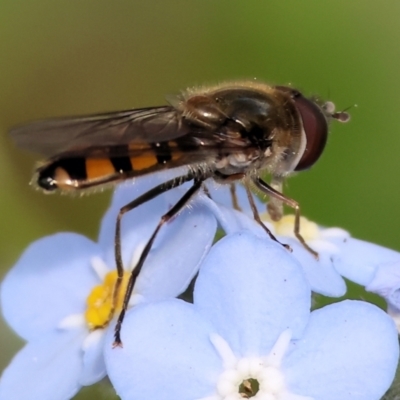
x=256 y=378
x=252 y=378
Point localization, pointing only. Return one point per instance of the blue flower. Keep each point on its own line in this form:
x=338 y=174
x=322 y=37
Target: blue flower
x=321 y=274
x=250 y=333
x=386 y=283
x=58 y=296
x=340 y=255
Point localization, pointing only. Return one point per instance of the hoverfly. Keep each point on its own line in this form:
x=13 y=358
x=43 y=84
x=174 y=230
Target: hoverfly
x=230 y=132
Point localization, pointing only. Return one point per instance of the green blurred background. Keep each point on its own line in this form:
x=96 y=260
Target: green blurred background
x=77 y=57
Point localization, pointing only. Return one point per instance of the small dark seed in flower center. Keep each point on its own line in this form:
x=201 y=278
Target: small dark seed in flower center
x=249 y=388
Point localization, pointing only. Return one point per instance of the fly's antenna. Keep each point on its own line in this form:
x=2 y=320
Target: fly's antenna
x=341 y=116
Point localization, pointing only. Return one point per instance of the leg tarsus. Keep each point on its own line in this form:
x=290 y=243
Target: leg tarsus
x=298 y=235
x=258 y=219
x=267 y=189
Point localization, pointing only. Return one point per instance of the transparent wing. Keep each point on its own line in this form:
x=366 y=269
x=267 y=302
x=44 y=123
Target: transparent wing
x=90 y=134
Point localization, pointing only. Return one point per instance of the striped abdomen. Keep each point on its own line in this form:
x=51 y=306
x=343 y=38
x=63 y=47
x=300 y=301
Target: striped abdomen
x=74 y=173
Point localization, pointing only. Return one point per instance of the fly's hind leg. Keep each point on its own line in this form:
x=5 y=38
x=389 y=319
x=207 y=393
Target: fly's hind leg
x=165 y=218
x=270 y=191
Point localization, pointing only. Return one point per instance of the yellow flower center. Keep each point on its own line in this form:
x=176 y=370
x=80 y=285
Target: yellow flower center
x=101 y=305
x=285 y=226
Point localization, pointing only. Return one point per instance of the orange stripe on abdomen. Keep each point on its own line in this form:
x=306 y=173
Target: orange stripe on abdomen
x=99 y=167
x=144 y=161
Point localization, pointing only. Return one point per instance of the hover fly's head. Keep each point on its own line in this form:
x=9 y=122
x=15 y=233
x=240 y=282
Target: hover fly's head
x=315 y=117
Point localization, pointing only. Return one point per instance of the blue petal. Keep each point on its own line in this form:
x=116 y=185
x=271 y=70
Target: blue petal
x=251 y=290
x=321 y=273
x=166 y=354
x=349 y=351
x=231 y=220
x=357 y=260
x=386 y=283
x=93 y=368
x=178 y=249
x=46 y=369
x=175 y=258
x=127 y=192
x=138 y=224
x=221 y=194
x=50 y=281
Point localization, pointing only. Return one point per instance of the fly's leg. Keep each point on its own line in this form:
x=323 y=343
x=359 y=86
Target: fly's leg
x=151 y=194
x=275 y=205
x=235 y=202
x=258 y=219
x=232 y=191
x=267 y=189
x=206 y=191
x=165 y=218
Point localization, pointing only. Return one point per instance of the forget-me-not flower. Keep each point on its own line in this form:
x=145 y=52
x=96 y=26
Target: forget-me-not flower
x=250 y=334
x=59 y=295
x=340 y=255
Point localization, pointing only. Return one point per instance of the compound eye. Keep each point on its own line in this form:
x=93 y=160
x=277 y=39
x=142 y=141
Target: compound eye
x=316 y=130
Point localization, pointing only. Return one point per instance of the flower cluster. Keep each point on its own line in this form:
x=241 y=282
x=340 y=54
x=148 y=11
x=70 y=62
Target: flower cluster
x=249 y=332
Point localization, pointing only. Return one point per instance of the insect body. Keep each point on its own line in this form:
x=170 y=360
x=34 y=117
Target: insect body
x=230 y=132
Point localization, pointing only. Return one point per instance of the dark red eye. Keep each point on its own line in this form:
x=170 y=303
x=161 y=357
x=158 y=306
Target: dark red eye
x=316 y=130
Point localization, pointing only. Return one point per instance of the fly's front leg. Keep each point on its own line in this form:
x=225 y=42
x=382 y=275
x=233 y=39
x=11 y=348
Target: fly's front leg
x=231 y=179
x=267 y=189
x=165 y=218
x=258 y=219
x=235 y=202
x=275 y=205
